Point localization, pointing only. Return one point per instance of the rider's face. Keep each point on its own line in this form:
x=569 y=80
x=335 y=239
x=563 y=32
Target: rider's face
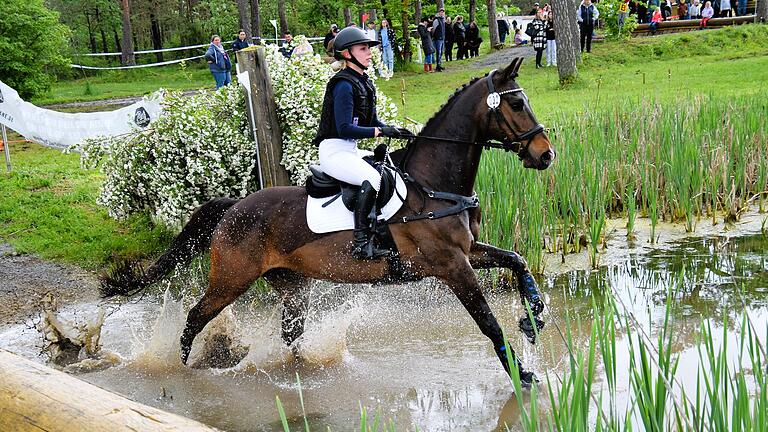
x=362 y=53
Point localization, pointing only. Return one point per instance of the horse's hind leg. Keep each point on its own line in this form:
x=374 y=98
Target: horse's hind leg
x=294 y=289
x=230 y=277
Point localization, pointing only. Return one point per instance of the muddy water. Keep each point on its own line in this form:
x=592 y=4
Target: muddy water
x=411 y=352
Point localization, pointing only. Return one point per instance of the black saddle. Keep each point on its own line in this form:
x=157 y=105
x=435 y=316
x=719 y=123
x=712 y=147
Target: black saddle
x=321 y=185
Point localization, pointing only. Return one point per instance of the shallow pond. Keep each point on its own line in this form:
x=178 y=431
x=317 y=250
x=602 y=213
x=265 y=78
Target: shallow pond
x=411 y=352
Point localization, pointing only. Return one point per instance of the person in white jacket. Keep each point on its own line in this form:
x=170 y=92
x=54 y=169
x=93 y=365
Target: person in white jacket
x=587 y=15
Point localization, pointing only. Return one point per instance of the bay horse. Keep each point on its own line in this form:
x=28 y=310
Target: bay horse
x=266 y=234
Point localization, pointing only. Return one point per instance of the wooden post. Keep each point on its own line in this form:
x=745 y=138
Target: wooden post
x=34 y=397
x=262 y=114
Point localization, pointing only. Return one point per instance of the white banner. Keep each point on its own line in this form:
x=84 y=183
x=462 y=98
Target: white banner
x=61 y=130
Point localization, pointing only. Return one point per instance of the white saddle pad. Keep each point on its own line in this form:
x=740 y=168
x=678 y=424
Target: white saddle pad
x=336 y=217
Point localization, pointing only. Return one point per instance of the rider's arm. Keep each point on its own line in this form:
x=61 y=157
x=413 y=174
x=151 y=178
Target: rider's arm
x=343 y=109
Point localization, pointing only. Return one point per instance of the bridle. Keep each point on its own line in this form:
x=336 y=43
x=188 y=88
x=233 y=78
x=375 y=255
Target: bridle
x=512 y=141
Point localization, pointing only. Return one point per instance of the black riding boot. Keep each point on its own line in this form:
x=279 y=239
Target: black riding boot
x=364 y=246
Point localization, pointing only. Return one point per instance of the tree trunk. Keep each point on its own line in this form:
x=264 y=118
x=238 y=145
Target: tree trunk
x=384 y=10
x=283 y=19
x=440 y=5
x=127 y=58
x=104 y=46
x=372 y=15
x=406 y=53
x=493 y=26
x=417 y=12
x=244 y=11
x=347 y=16
x=567 y=37
x=91 y=39
x=761 y=11
x=117 y=41
x=472 y=10
x=255 y=18
x=360 y=12
x=157 y=40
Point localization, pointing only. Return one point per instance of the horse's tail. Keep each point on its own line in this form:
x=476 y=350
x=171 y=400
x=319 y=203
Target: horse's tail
x=128 y=277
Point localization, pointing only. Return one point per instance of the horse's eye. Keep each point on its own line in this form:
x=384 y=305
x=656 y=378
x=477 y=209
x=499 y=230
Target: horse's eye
x=518 y=105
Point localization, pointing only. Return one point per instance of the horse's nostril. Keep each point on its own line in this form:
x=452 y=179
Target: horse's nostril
x=547 y=156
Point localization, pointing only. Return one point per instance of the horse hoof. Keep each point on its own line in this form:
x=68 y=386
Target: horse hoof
x=528 y=379
x=530 y=329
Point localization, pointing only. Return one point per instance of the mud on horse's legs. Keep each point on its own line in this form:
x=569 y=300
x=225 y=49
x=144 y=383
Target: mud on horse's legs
x=463 y=282
x=294 y=290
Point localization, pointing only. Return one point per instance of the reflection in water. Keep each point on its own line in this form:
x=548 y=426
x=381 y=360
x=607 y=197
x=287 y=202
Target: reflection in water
x=411 y=353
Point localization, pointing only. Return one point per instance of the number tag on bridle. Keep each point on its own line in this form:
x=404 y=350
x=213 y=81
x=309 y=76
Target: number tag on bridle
x=493 y=100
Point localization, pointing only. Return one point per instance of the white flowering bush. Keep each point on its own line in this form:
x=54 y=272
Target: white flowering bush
x=201 y=147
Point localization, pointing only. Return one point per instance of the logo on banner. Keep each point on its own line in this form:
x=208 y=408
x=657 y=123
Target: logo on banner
x=1 y=96
x=141 y=117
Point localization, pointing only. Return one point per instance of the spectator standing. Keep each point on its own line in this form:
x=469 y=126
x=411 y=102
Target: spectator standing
x=329 y=37
x=715 y=8
x=387 y=38
x=371 y=31
x=539 y=38
x=682 y=10
x=623 y=14
x=448 y=39
x=473 y=39
x=587 y=15
x=288 y=45
x=426 y=44
x=501 y=23
x=695 y=10
x=218 y=62
x=551 y=42
x=534 y=10
x=725 y=8
x=642 y=11
x=706 y=14
x=460 y=37
x=666 y=9
x=438 y=38
x=241 y=41
x=655 y=20
x=742 y=7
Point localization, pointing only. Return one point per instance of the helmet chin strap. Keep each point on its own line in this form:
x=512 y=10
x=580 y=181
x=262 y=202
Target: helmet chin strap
x=355 y=61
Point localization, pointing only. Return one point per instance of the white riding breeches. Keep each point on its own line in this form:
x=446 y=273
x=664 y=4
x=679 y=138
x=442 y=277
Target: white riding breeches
x=342 y=160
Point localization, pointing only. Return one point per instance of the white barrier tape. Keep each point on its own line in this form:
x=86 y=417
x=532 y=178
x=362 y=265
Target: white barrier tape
x=176 y=48
x=77 y=66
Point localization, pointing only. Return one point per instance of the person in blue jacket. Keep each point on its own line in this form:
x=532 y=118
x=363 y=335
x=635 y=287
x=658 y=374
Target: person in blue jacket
x=218 y=62
x=349 y=114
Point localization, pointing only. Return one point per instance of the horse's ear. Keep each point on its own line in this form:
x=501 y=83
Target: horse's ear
x=510 y=72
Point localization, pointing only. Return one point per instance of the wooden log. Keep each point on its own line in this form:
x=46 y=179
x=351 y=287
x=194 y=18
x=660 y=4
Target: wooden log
x=263 y=114
x=34 y=397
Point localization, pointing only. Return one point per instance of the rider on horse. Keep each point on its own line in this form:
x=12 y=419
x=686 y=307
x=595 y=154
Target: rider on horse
x=349 y=114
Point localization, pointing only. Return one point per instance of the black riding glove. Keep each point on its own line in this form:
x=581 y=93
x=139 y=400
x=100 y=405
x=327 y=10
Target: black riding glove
x=390 y=132
x=405 y=133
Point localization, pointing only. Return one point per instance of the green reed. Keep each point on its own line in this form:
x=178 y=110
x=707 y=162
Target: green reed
x=679 y=161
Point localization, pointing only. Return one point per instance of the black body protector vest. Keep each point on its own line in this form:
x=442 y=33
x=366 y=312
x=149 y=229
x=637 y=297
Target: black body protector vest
x=364 y=97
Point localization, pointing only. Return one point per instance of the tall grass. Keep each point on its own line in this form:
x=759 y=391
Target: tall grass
x=677 y=162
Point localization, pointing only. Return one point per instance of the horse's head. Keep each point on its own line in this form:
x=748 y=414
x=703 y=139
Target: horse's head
x=511 y=119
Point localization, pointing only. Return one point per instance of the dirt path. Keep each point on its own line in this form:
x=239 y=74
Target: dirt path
x=504 y=57
x=25 y=279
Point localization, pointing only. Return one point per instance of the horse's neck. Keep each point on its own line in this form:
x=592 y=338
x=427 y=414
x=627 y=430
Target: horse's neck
x=448 y=166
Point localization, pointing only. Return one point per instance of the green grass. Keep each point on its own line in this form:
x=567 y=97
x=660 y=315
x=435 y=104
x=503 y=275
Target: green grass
x=48 y=207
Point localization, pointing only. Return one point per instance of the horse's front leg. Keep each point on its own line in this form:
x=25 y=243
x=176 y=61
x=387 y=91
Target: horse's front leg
x=463 y=282
x=485 y=256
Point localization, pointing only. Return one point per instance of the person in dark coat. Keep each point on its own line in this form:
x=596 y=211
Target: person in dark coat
x=539 y=38
x=330 y=36
x=587 y=15
x=218 y=62
x=426 y=44
x=460 y=37
x=448 y=39
x=473 y=39
x=503 y=28
x=241 y=41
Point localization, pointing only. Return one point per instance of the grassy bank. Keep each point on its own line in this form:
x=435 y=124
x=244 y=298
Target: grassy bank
x=48 y=205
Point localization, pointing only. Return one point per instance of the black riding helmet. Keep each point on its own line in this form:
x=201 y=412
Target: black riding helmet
x=349 y=37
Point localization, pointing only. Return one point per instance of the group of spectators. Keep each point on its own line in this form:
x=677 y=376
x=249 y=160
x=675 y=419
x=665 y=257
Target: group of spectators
x=654 y=12
x=439 y=34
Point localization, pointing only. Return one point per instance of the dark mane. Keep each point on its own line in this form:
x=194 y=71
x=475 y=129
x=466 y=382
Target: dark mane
x=451 y=100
